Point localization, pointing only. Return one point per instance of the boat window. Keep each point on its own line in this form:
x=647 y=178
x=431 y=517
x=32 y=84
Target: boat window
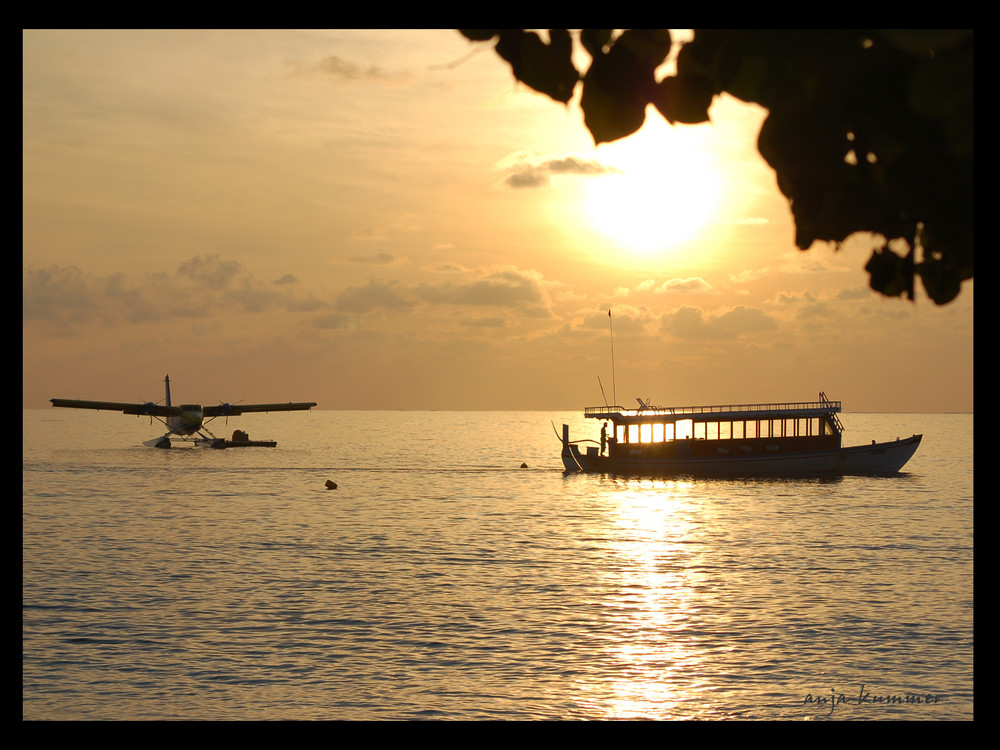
x=683 y=429
x=633 y=433
x=657 y=433
x=738 y=430
x=645 y=433
x=620 y=433
x=707 y=430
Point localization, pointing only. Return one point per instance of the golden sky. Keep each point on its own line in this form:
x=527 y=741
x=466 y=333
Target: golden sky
x=380 y=220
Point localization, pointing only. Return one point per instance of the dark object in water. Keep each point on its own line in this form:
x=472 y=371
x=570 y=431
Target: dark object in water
x=223 y=443
x=242 y=439
x=330 y=484
x=524 y=466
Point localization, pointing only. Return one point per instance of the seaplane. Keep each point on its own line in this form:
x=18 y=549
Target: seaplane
x=187 y=421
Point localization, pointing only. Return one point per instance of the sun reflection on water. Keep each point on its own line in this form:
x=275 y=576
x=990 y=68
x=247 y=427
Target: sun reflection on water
x=653 y=586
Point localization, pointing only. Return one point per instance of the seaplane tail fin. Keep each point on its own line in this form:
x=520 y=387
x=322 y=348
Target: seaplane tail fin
x=166 y=380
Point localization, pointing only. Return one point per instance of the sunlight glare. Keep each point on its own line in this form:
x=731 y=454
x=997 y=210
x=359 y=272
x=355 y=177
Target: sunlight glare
x=666 y=191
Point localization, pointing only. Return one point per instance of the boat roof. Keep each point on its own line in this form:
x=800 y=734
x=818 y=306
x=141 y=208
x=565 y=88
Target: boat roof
x=719 y=412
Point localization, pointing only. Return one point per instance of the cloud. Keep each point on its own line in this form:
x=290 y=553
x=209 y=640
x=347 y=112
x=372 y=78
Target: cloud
x=808 y=305
x=816 y=261
x=340 y=69
x=524 y=170
x=693 y=322
x=492 y=322
x=624 y=319
x=369 y=233
x=210 y=271
x=742 y=277
x=858 y=292
x=577 y=165
x=210 y=288
x=202 y=287
x=346 y=69
x=336 y=321
x=52 y=293
x=375 y=294
x=375 y=259
x=671 y=286
x=446 y=266
x=496 y=287
x=693 y=284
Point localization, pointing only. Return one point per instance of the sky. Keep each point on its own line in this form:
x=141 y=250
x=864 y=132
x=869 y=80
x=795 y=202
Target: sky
x=379 y=219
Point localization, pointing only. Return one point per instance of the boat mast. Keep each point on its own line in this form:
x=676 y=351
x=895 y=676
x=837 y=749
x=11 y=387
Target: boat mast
x=614 y=389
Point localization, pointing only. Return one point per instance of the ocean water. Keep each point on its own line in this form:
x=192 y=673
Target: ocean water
x=441 y=580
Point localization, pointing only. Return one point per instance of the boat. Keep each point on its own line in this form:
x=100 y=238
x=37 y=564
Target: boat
x=240 y=439
x=773 y=439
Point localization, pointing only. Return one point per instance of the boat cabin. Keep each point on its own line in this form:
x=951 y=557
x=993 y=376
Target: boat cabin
x=716 y=431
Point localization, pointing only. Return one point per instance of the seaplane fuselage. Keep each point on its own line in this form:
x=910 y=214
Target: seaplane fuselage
x=189 y=421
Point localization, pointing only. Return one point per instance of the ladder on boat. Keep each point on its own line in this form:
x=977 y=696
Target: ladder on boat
x=836 y=419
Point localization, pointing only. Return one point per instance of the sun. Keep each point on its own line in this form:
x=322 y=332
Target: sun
x=665 y=190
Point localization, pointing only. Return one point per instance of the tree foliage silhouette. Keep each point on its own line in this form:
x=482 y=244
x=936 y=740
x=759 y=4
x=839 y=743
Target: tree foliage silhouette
x=867 y=130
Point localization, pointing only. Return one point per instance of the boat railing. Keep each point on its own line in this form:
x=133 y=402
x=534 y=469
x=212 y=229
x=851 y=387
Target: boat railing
x=822 y=406
x=836 y=419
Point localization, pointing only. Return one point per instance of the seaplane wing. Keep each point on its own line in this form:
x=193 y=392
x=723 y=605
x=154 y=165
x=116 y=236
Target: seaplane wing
x=145 y=410
x=187 y=421
x=234 y=410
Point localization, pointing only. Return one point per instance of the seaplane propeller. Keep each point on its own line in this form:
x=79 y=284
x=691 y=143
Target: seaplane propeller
x=149 y=407
x=227 y=408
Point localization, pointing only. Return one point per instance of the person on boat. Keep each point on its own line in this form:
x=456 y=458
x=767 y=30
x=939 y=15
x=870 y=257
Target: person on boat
x=604 y=437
